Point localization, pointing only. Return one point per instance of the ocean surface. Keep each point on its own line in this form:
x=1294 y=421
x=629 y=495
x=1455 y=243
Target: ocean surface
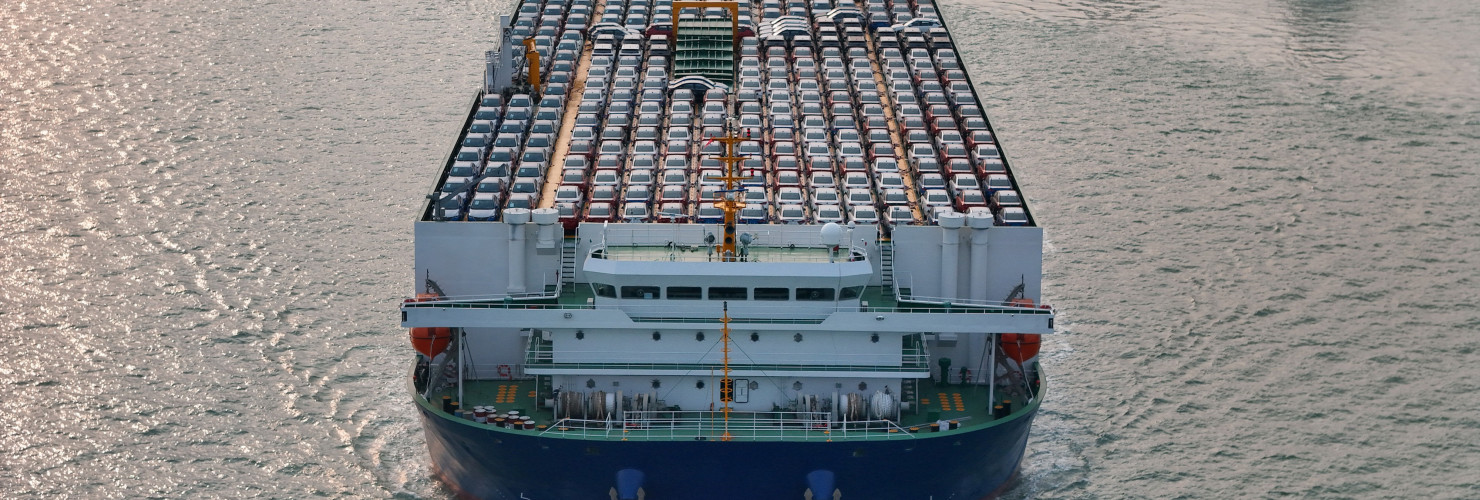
x=1263 y=221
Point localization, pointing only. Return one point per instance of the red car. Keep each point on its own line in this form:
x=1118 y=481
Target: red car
x=942 y=124
x=934 y=111
x=969 y=198
x=659 y=29
x=570 y=215
x=952 y=151
x=959 y=166
x=979 y=137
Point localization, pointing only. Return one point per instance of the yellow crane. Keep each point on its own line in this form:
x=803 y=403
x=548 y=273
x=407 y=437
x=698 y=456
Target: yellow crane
x=533 y=58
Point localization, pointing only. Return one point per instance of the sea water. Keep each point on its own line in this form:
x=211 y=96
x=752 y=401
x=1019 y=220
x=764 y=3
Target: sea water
x=1261 y=224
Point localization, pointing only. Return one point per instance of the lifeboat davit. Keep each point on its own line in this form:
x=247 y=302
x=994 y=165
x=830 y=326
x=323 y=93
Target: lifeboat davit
x=430 y=341
x=1020 y=346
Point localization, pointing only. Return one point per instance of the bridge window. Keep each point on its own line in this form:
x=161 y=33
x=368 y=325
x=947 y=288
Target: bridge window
x=639 y=292
x=822 y=294
x=851 y=292
x=605 y=290
x=685 y=293
x=727 y=293
x=773 y=294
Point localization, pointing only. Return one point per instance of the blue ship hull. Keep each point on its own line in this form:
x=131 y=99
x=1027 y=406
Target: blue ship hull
x=484 y=463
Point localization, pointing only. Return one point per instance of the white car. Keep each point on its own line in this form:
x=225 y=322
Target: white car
x=484 y=206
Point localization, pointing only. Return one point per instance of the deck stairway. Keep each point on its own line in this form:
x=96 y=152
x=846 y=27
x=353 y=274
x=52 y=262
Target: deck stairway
x=886 y=263
x=568 y=261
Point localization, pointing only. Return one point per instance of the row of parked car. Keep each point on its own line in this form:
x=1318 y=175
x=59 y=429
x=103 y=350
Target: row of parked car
x=822 y=148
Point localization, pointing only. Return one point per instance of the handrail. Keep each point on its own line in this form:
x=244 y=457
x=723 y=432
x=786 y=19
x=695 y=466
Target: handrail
x=673 y=425
x=960 y=302
x=686 y=253
x=541 y=355
x=543 y=294
x=815 y=314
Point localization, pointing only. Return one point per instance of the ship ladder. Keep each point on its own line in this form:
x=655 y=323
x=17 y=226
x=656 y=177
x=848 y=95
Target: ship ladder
x=886 y=262
x=568 y=261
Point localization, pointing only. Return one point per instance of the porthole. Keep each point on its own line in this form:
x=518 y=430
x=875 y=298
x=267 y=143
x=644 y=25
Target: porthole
x=755 y=337
x=699 y=384
x=657 y=336
x=874 y=338
x=797 y=337
x=699 y=336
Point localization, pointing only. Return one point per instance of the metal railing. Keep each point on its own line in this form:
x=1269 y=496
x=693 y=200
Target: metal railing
x=994 y=306
x=777 y=314
x=741 y=426
x=700 y=253
x=548 y=290
x=542 y=355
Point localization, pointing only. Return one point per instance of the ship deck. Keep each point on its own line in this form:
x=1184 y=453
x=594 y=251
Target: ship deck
x=874 y=299
x=858 y=111
x=654 y=253
x=966 y=405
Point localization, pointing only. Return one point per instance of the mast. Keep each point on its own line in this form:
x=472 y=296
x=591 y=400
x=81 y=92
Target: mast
x=730 y=200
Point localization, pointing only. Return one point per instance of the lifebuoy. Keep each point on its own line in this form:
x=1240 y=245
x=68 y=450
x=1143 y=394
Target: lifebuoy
x=506 y=371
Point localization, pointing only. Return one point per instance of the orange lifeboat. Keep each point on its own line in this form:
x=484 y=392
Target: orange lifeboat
x=429 y=341
x=1020 y=346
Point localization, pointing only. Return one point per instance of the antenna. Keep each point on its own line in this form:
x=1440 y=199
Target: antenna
x=726 y=385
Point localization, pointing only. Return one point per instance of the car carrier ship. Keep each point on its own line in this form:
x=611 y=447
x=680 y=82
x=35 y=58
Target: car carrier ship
x=717 y=250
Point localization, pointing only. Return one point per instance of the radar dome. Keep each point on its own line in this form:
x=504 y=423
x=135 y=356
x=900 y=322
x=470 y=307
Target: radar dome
x=832 y=234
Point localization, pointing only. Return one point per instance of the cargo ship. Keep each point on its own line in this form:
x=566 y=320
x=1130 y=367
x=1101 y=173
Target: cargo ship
x=725 y=251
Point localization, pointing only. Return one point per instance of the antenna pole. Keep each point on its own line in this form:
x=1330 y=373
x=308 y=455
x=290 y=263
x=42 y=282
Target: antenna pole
x=726 y=384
